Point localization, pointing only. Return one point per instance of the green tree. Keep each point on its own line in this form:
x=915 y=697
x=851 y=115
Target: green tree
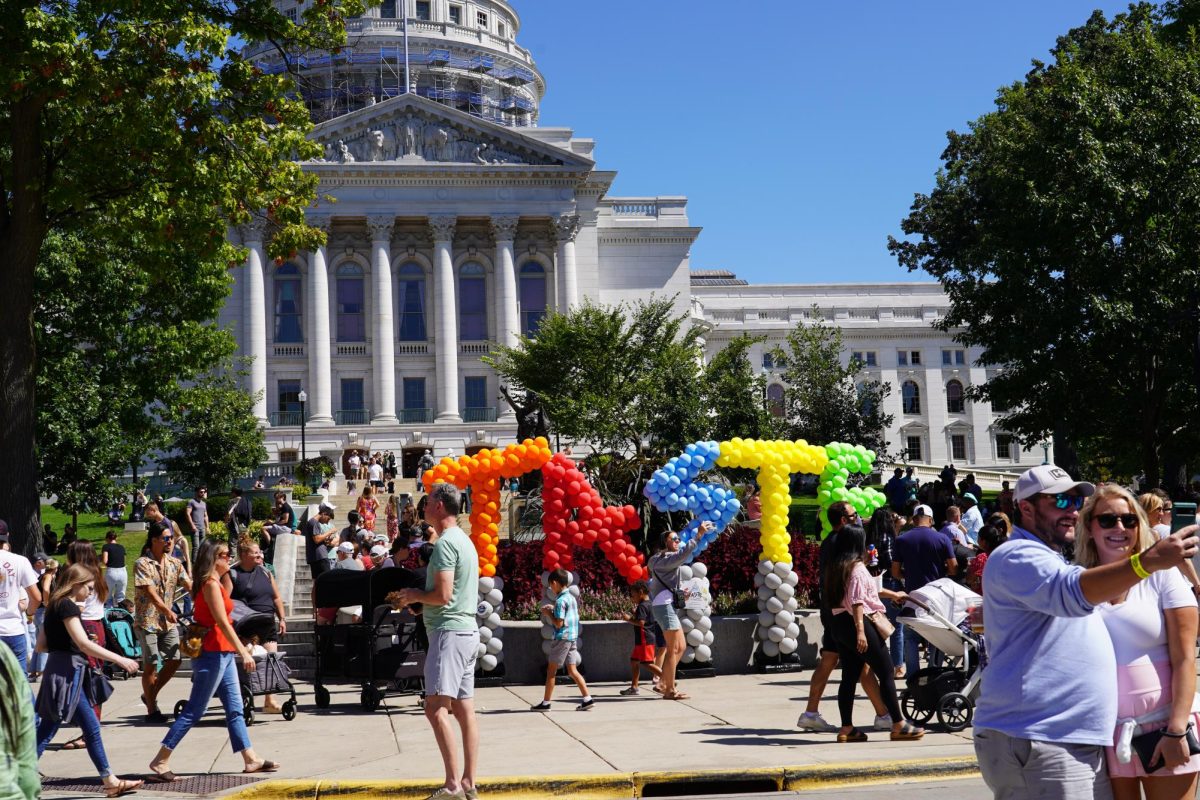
x=139 y=116
x=825 y=401
x=215 y=436
x=737 y=392
x=1065 y=228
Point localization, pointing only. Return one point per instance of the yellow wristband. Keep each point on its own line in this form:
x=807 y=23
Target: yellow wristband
x=1135 y=561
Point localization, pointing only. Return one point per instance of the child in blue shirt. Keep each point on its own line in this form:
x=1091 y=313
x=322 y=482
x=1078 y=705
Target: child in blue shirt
x=564 y=649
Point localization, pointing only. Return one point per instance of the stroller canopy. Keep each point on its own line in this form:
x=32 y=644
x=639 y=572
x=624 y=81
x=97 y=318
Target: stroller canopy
x=945 y=598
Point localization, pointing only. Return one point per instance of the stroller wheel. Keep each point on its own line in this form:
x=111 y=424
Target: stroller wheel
x=370 y=698
x=289 y=710
x=322 y=697
x=955 y=711
x=912 y=712
x=179 y=707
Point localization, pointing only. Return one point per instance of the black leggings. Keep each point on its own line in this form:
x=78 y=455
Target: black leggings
x=876 y=657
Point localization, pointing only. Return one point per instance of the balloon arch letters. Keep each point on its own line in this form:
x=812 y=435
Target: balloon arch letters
x=574 y=515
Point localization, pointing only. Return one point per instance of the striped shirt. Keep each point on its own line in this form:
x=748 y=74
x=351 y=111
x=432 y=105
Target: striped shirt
x=566 y=609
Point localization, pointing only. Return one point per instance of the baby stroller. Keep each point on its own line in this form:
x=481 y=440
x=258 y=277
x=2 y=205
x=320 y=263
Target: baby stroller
x=118 y=630
x=271 y=672
x=948 y=691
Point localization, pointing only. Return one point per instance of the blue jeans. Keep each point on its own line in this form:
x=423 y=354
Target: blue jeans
x=85 y=718
x=896 y=643
x=912 y=654
x=19 y=644
x=213 y=673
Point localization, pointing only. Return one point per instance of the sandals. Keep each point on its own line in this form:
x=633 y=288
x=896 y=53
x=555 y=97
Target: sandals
x=266 y=766
x=908 y=733
x=855 y=735
x=122 y=788
x=163 y=777
x=676 y=696
x=75 y=744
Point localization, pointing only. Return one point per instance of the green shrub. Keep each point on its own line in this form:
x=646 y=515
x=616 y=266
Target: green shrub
x=260 y=508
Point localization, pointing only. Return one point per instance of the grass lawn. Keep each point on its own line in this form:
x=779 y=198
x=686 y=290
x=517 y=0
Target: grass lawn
x=93 y=528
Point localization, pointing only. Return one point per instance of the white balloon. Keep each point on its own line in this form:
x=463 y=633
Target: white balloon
x=498 y=583
x=480 y=650
x=786 y=591
x=489 y=662
x=775 y=633
x=784 y=618
x=574 y=590
x=546 y=647
x=494 y=646
x=788 y=645
x=792 y=631
x=485 y=634
x=695 y=637
x=704 y=623
x=791 y=579
x=495 y=597
x=699 y=569
x=703 y=653
x=685 y=573
x=765 y=593
x=766 y=619
x=770 y=648
x=758 y=579
x=774 y=604
x=687 y=624
x=709 y=637
x=547 y=632
x=695 y=614
x=765 y=566
x=484 y=610
x=498 y=631
x=792 y=604
x=763 y=632
x=782 y=568
x=689 y=655
x=773 y=581
x=486 y=584
x=493 y=620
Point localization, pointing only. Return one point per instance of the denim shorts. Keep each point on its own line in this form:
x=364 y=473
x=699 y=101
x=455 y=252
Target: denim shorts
x=666 y=617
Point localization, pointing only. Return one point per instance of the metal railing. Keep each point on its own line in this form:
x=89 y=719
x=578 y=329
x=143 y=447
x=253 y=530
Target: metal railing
x=280 y=419
x=415 y=416
x=479 y=414
x=353 y=416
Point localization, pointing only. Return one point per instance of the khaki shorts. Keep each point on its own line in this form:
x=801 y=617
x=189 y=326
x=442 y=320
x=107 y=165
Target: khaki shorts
x=450 y=664
x=565 y=651
x=159 y=644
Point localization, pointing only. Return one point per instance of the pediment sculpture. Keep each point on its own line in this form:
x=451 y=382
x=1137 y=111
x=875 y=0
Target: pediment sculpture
x=415 y=137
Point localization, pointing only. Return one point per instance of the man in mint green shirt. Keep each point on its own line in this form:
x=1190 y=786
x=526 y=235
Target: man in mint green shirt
x=450 y=600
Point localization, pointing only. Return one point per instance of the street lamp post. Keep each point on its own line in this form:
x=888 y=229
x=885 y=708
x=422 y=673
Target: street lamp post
x=1045 y=445
x=303 y=449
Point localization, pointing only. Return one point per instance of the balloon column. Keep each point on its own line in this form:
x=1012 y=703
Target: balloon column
x=843 y=460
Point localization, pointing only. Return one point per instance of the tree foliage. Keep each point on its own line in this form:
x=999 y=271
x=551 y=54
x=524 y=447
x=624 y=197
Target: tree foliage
x=737 y=392
x=825 y=401
x=1065 y=228
x=146 y=117
x=215 y=438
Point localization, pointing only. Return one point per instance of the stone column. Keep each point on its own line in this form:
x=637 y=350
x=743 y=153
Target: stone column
x=254 y=316
x=446 y=316
x=317 y=307
x=383 y=349
x=566 y=227
x=508 y=324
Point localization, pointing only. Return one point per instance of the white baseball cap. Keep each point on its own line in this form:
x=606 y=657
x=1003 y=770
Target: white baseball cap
x=379 y=550
x=1049 y=479
x=922 y=511
x=346 y=547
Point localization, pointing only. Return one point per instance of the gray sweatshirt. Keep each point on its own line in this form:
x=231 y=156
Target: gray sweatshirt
x=664 y=567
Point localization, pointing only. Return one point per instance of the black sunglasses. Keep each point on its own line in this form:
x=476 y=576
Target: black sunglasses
x=1106 y=521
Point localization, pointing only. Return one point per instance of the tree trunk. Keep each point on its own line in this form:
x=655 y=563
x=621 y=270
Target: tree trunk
x=1065 y=454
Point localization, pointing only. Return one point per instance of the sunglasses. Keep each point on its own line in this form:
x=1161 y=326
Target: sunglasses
x=1065 y=501
x=1107 y=521
x=1168 y=509
x=223 y=556
x=673 y=538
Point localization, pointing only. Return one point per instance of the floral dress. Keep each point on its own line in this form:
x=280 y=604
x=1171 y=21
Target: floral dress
x=367 y=507
x=393 y=527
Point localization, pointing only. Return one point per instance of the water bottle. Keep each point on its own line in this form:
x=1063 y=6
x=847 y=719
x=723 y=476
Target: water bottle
x=872 y=556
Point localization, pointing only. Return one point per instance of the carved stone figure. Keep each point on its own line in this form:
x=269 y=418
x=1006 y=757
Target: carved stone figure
x=412 y=133
x=376 y=151
x=429 y=142
x=343 y=153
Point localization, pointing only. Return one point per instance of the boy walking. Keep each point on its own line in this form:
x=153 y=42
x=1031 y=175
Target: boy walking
x=564 y=649
x=643 y=637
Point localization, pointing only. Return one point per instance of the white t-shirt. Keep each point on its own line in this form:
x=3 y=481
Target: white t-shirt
x=93 y=609
x=355 y=462
x=1137 y=627
x=1162 y=529
x=16 y=575
x=375 y=472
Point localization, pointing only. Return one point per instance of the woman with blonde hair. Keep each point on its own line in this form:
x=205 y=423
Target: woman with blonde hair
x=1158 y=507
x=1153 y=630
x=68 y=691
x=393 y=518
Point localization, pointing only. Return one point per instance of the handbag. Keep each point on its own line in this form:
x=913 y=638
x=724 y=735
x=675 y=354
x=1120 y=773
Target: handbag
x=882 y=624
x=678 y=596
x=192 y=641
x=102 y=687
x=1144 y=745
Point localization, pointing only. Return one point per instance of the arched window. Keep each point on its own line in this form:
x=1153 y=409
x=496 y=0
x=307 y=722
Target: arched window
x=288 y=327
x=533 y=297
x=954 y=397
x=472 y=303
x=866 y=400
x=911 y=395
x=351 y=305
x=411 y=286
x=775 y=400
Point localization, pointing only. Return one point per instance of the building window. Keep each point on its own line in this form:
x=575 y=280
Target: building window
x=411 y=288
x=1004 y=448
x=958 y=447
x=472 y=303
x=902 y=358
x=351 y=308
x=954 y=358
x=481 y=19
x=768 y=360
x=867 y=358
x=289 y=396
x=287 y=304
x=456 y=15
x=414 y=393
x=501 y=31
x=533 y=297
x=954 y=397
x=353 y=398
x=911 y=397
x=775 y=396
x=388 y=9
x=292 y=14
x=999 y=406
x=912 y=450
x=289 y=456
x=475 y=392
x=423 y=10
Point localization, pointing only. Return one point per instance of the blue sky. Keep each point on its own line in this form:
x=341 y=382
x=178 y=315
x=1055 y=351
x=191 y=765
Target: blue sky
x=799 y=131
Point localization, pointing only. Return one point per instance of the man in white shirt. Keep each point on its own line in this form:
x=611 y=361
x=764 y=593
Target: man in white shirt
x=972 y=520
x=18 y=581
x=375 y=474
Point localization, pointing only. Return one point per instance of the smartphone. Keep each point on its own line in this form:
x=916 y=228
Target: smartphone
x=1183 y=515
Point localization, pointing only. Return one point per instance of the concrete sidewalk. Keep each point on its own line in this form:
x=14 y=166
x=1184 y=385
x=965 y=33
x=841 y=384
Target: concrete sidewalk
x=737 y=725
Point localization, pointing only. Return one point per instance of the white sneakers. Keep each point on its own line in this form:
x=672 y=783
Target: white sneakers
x=883 y=722
x=813 y=721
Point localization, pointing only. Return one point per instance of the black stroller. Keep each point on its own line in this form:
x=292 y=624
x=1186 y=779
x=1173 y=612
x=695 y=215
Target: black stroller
x=383 y=646
x=271 y=672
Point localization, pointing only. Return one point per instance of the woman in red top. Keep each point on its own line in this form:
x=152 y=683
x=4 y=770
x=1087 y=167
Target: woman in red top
x=215 y=671
x=990 y=537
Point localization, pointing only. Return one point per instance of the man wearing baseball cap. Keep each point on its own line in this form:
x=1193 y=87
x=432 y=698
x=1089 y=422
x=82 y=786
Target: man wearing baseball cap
x=922 y=555
x=1048 y=702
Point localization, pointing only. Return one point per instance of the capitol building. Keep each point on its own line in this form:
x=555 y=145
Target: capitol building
x=462 y=220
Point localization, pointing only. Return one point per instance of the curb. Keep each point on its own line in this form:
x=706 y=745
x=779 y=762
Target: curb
x=634 y=784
